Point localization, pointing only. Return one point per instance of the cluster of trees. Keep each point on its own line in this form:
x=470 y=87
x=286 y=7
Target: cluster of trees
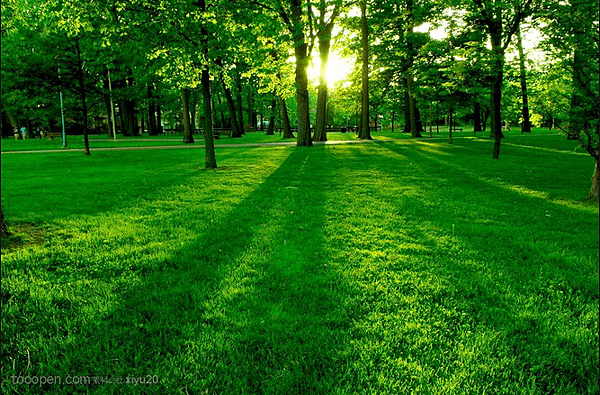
x=223 y=62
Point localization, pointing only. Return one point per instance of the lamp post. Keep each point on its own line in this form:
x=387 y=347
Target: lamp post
x=62 y=115
x=62 y=118
x=112 y=108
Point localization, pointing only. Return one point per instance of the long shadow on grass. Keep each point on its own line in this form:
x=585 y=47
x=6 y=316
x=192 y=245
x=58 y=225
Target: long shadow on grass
x=248 y=307
x=45 y=187
x=518 y=298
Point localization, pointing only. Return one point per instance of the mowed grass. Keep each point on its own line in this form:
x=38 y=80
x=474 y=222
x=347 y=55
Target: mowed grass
x=396 y=267
x=104 y=141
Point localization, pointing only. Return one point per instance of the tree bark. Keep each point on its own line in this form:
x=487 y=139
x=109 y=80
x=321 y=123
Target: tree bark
x=321 y=117
x=236 y=132
x=324 y=48
x=210 y=159
x=412 y=106
x=271 y=128
x=526 y=126
x=477 y=117
x=187 y=131
x=285 y=119
x=209 y=143
x=595 y=182
x=495 y=28
x=364 y=130
x=223 y=123
x=406 y=109
x=3 y=225
x=303 y=138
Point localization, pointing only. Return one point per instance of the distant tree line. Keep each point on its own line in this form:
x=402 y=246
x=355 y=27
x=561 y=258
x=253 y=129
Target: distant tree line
x=236 y=65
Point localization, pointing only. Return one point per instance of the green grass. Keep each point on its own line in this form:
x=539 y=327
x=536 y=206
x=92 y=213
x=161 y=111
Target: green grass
x=399 y=267
x=104 y=141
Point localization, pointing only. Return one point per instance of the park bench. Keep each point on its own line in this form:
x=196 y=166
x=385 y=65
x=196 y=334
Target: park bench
x=218 y=132
x=51 y=135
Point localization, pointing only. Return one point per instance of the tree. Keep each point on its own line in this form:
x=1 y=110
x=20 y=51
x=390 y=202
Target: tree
x=572 y=35
x=3 y=226
x=526 y=125
x=302 y=43
x=324 y=30
x=364 y=131
x=501 y=19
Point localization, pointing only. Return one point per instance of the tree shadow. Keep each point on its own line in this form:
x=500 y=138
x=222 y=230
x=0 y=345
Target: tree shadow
x=68 y=184
x=249 y=306
x=512 y=292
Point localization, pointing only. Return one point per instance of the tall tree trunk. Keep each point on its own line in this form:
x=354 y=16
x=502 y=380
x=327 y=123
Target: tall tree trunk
x=285 y=119
x=477 y=118
x=484 y=121
x=3 y=226
x=271 y=128
x=221 y=113
x=304 y=137
x=210 y=161
x=526 y=126
x=498 y=71
x=364 y=130
x=393 y=116
x=406 y=109
x=324 y=48
x=128 y=117
x=595 y=182
x=416 y=126
x=82 y=94
x=236 y=132
x=413 y=112
x=209 y=143
x=187 y=131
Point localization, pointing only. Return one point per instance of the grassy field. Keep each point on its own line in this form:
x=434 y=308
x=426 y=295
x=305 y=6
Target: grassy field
x=397 y=267
x=104 y=141
x=175 y=140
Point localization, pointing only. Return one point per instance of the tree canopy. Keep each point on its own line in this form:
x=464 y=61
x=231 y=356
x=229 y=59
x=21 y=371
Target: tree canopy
x=154 y=61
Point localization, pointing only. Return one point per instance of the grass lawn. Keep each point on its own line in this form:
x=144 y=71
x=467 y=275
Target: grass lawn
x=104 y=141
x=397 y=267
